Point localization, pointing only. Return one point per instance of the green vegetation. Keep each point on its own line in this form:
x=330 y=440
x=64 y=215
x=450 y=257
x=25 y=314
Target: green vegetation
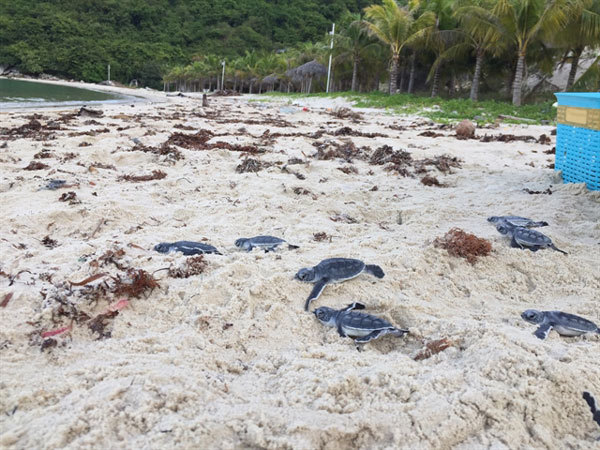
x=442 y=110
x=141 y=39
x=450 y=47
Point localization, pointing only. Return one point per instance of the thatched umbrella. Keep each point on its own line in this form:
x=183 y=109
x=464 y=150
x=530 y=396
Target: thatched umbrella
x=270 y=80
x=310 y=70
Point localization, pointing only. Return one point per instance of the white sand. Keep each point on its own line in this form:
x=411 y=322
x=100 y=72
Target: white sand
x=229 y=359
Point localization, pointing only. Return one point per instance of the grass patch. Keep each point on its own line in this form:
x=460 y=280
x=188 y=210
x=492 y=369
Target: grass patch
x=438 y=109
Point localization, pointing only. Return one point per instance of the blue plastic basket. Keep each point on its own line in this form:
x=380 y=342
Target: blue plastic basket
x=578 y=138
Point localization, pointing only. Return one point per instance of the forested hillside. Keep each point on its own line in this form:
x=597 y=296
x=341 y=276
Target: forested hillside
x=139 y=38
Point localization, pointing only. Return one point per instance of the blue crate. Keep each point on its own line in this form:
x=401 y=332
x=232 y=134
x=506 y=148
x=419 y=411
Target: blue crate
x=578 y=138
x=578 y=155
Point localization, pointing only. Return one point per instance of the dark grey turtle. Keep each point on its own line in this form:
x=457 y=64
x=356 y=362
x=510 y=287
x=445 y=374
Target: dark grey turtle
x=517 y=221
x=564 y=323
x=363 y=327
x=334 y=270
x=188 y=248
x=267 y=243
x=522 y=237
x=591 y=401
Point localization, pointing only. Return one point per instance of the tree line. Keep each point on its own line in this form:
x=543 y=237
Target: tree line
x=421 y=44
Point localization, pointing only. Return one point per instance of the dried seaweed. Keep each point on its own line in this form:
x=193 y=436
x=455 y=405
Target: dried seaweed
x=164 y=150
x=443 y=163
x=192 y=266
x=331 y=150
x=529 y=191
x=199 y=141
x=36 y=165
x=465 y=245
x=155 y=175
x=345 y=218
x=321 y=236
x=99 y=323
x=431 y=181
x=251 y=165
x=70 y=197
x=88 y=280
x=346 y=113
x=6 y=299
x=141 y=281
x=348 y=169
x=45 y=153
x=99 y=165
x=48 y=343
x=347 y=131
x=49 y=242
x=433 y=348
x=431 y=134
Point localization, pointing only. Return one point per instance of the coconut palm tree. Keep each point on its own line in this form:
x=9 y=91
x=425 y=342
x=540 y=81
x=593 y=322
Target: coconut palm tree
x=352 y=44
x=394 y=26
x=581 y=31
x=522 y=22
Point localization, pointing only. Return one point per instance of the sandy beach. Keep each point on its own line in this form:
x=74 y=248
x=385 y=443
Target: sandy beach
x=227 y=358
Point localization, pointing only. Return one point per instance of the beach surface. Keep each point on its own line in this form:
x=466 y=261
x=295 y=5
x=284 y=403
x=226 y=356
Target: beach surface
x=220 y=353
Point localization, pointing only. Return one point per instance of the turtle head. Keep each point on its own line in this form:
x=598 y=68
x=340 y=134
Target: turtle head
x=163 y=247
x=494 y=219
x=325 y=315
x=242 y=243
x=533 y=316
x=305 y=275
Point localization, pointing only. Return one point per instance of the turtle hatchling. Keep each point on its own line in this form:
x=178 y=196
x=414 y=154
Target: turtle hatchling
x=564 y=323
x=522 y=237
x=267 y=243
x=334 y=270
x=188 y=248
x=363 y=327
x=517 y=221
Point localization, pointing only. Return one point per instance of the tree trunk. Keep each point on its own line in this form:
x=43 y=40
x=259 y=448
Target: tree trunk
x=436 y=81
x=474 y=96
x=309 y=85
x=574 y=64
x=250 y=88
x=394 y=74
x=402 y=71
x=411 y=77
x=518 y=83
x=355 y=72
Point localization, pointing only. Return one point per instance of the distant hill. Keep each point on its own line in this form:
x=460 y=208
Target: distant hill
x=78 y=38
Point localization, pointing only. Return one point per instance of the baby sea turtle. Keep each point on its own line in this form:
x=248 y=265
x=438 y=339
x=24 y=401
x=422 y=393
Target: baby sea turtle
x=267 y=243
x=591 y=401
x=334 y=270
x=188 y=248
x=564 y=323
x=517 y=221
x=363 y=327
x=522 y=237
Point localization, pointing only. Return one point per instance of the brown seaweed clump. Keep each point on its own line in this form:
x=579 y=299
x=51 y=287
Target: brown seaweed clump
x=155 y=175
x=193 y=266
x=459 y=243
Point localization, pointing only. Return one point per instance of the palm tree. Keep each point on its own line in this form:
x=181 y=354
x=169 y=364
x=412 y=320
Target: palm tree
x=522 y=22
x=581 y=31
x=395 y=27
x=353 y=43
x=474 y=35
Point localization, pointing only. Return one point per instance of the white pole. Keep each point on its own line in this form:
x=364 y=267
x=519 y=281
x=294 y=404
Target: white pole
x=109 y=72
x=223 y=76
x=330 y=54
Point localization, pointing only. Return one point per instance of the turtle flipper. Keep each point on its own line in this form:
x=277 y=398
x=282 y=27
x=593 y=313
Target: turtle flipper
x=293 y=247
x=354 y=305
x=542 y=331
x=553 y=247
x=316 y=291
x=591 y=401
x=515 y=244
x=369 y=337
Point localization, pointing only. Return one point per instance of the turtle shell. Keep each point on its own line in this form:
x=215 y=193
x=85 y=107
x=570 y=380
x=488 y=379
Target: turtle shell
x=340 y=268
x=570 y=322
x=531 y=238
x=360 y=324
